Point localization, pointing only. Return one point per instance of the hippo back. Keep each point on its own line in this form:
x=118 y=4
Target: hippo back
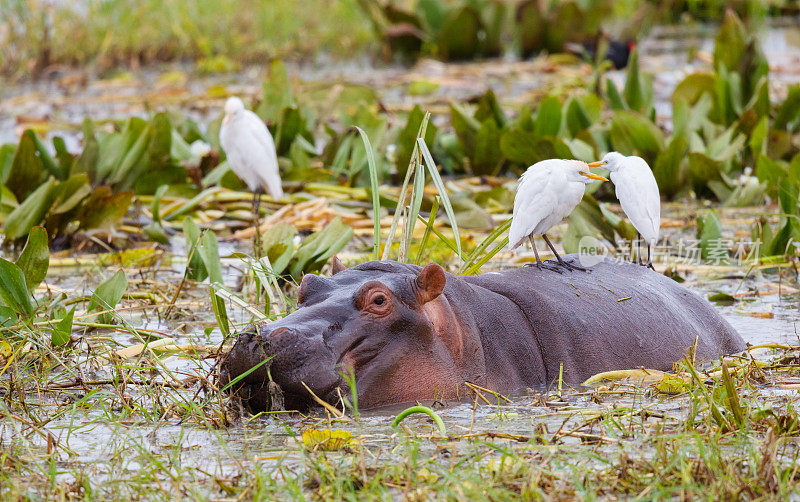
x=617 y=316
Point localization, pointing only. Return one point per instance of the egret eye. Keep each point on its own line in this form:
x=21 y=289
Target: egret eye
x=378 y=300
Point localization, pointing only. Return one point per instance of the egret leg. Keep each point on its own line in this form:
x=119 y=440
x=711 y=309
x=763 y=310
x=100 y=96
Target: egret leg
x=535 y=252
x=649 y=260
x=257 y=234
x=639 y=244
x=560 y=261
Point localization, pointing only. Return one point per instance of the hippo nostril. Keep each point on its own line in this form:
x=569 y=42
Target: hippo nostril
x=278 y=332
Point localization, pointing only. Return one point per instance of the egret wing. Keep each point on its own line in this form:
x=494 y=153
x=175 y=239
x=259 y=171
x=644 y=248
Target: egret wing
x=638 y=195
x=534 y=201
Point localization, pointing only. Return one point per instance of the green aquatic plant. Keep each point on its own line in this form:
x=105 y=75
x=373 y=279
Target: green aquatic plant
x=459 y=30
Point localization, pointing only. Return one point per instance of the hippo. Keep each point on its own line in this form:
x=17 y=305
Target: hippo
x=410 y=333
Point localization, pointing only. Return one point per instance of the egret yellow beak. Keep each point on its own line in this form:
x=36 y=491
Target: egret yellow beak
x=599 y=163
x=593 y=176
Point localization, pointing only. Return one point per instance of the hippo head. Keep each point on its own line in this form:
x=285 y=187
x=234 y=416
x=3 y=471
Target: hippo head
x=386 y=323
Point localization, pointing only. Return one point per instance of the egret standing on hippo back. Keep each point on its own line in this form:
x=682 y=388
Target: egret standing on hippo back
x=547 y=193
x=638 y=195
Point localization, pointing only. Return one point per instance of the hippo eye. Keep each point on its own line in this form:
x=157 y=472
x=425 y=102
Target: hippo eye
x=374 y=298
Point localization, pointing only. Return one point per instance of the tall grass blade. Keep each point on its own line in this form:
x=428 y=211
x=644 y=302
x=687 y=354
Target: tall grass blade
x=733 y=396
x=715 y=413
x=476 y=254
x=447 y=242
x=417 y=194
x=488 y=256
x=376 y=201
x=401 y=203
x=431 y=221
x=437 y=181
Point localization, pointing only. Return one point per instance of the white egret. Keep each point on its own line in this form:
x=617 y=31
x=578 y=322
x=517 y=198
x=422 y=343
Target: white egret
x=638 y=195
x=548 y=192
x=251 y=155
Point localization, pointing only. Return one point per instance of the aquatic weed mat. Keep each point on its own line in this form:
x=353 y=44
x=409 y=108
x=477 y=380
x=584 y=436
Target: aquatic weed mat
x=721 y=431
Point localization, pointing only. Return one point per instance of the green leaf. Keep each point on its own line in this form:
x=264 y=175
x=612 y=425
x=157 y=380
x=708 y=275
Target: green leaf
x=692 y=88
x=62 y=330
x=277 y=93
x=26 y=172
x=35 y=258
x=487 y=158
x=406 y=139
x=220 y=312
x=31 y=211
x=47 y=160
x=670 y=167
x=576 y=117
x=71 y=193
x=278 y=245
x=531 y=27
x=613 y=96
x=209 y=252
x=633 y=134
x=104 y=208
x=769 y=171
x=134 y=161
x=548 y=119
x=156 y=233
x=458 y=38
x=526 y=148
x=789 y=110
x=107 y=296
x=566 y=25
x=292 y=125
x=703 y=169
x=13 y=289
x=120 y=152
x=7 y=152
x=730 y=42
x=758 y=138
x=489 y=107
x=712 y=247
x=633 y=92
x=466 y=128
x=87 y=161
x=155 y=206
x=196 y=269
x=433 y=13
x=318 y=248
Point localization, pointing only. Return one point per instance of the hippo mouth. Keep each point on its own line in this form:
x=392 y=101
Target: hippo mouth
x=357 y=355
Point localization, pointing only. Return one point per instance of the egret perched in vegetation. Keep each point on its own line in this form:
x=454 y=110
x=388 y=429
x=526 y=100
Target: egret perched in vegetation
x=548 y=192
x=251 y=154
x=638 y=195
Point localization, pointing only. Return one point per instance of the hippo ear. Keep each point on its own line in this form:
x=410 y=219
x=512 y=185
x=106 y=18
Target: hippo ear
x=430 y=283
x=336 y=265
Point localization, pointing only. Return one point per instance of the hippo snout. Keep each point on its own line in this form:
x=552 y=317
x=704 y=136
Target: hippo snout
x=296 y=359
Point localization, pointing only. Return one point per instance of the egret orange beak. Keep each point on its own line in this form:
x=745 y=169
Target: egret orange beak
x=593 y=176
x=599 y=163
x=226 y=119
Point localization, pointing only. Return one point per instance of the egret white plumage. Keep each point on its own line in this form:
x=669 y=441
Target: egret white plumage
x=251 y=154
x=548 y=192
x=638 y=195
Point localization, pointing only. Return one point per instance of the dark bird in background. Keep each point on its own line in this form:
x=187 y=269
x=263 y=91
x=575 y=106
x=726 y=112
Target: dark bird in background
x=616 y=51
